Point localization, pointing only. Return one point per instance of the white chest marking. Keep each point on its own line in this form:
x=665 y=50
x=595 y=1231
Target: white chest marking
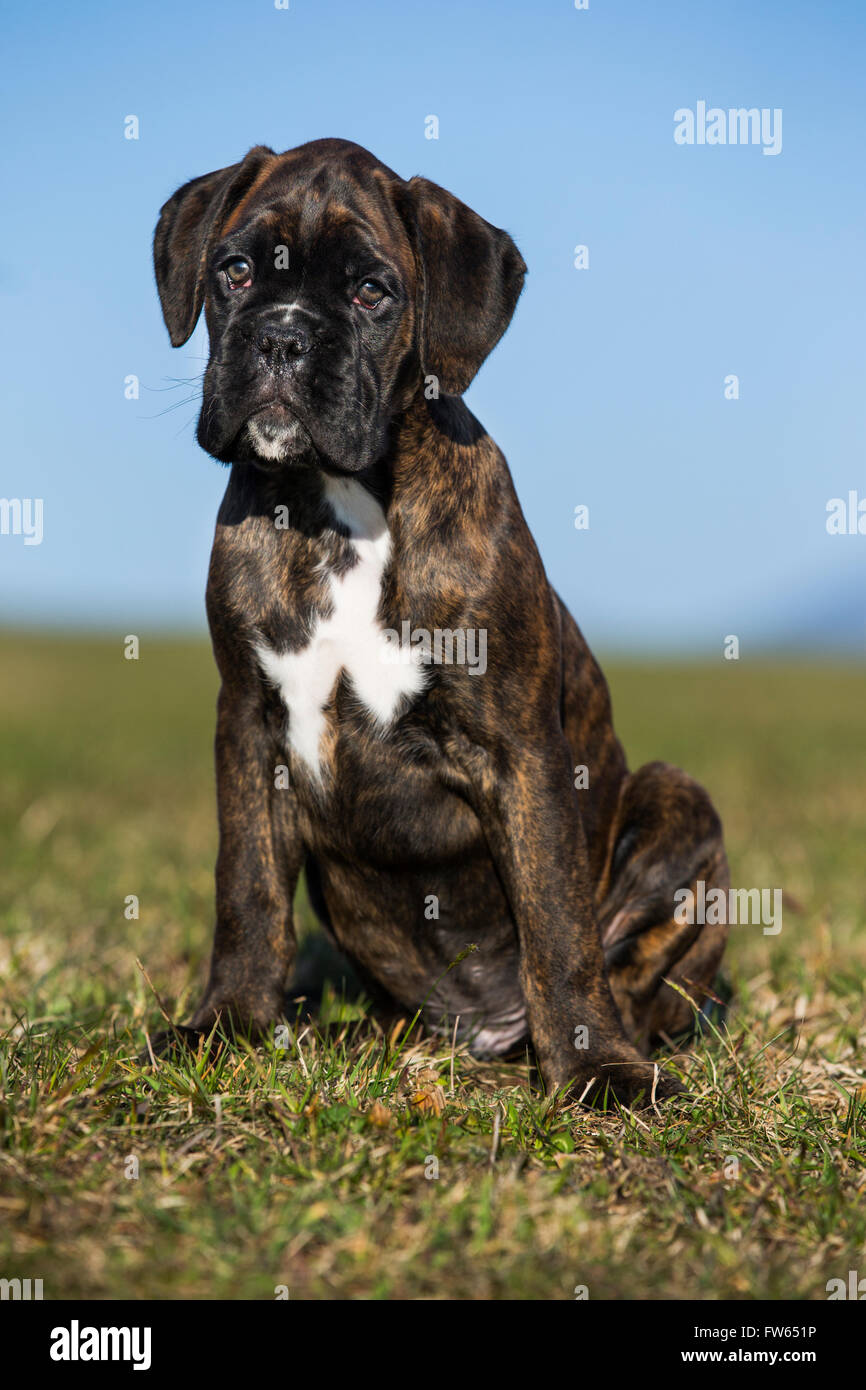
x=350 y=640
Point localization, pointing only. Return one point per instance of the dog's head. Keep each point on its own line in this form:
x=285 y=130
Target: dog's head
x=332 y=288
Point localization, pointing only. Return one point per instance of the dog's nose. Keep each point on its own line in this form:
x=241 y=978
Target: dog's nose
x=282 y=342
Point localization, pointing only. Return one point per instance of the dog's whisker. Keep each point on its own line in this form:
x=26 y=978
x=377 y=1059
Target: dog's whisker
x=175 y=405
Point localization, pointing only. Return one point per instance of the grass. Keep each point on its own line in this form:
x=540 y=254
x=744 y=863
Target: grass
x=313 y=1166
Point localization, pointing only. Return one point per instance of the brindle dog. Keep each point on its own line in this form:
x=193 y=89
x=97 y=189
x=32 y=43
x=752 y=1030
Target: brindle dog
x=432 y=804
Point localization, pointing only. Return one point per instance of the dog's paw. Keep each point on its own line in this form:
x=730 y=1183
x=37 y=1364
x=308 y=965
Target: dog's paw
x=635 y=1085
x=175 y=1042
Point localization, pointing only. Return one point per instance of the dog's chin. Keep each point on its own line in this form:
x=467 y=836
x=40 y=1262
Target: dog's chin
x=275 y=436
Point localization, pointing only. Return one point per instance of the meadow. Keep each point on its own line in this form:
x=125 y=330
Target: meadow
x=352 y=1163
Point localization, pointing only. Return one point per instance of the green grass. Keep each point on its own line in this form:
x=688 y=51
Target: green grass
x=308 y=1166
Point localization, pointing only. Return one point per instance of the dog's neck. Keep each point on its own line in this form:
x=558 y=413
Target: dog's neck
x=443 y=429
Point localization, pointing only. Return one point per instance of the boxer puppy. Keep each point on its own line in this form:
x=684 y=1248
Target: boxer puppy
x=405 y=700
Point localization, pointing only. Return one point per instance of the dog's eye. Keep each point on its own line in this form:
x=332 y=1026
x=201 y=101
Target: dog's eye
x=369 y=293
x=239 y=274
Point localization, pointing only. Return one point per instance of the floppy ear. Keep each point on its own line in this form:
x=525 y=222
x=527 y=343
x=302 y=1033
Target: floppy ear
x=188 y=227
x=470 y=275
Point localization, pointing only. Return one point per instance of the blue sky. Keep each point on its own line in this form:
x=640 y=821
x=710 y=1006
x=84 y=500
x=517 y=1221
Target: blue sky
x=707 y=515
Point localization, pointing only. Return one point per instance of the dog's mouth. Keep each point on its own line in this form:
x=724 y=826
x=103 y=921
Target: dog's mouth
x=276 y=434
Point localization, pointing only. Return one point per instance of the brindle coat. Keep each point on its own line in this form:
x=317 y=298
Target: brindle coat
x=468 y=793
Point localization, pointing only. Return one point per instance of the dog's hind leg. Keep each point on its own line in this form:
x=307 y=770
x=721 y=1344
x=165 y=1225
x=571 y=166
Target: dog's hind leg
x=665 y=836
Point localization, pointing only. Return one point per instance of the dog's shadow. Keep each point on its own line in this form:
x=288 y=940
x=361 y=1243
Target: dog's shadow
x=324 y=984
x=325 y=990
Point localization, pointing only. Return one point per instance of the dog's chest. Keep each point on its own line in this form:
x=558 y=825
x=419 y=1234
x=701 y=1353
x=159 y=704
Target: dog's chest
x=349 y=639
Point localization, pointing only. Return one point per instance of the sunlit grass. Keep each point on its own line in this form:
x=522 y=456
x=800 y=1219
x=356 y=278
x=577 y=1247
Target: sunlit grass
x=352 y=1163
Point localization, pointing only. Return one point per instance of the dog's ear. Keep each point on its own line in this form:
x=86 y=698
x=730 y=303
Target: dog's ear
x=469 y=276
x=188 y=227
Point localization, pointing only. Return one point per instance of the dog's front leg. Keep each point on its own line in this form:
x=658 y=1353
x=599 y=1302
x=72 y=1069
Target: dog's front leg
x=260 y=858
x=526 y=799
